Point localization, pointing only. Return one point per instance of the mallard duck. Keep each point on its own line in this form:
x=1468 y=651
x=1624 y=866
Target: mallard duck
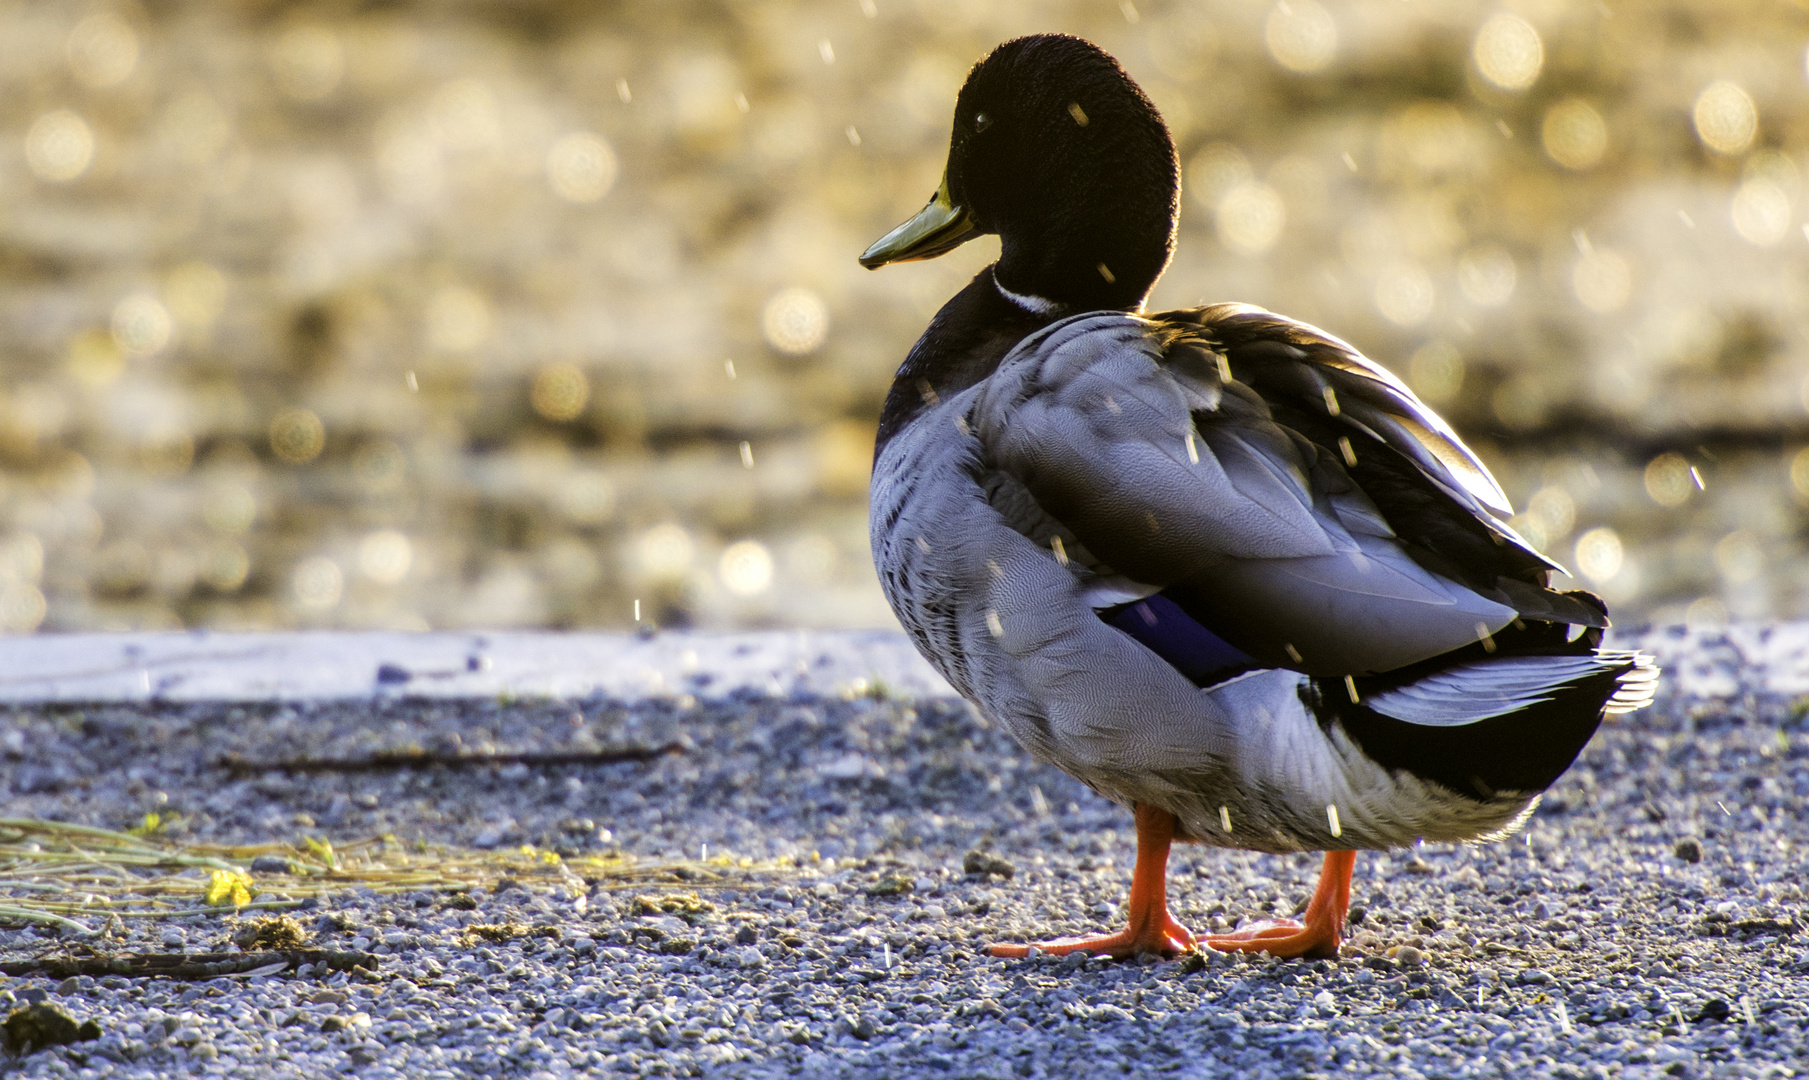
x=1215 y=563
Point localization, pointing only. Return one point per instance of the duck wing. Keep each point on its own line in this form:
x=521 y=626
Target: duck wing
x=1228 y=472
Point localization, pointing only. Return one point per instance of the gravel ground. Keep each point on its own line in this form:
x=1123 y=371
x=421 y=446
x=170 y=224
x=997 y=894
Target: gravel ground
x=1650 y=921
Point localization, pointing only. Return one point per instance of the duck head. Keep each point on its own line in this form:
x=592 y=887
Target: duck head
x=1057 y=151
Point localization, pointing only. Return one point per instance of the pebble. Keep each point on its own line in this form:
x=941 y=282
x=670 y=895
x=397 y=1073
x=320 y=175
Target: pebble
x=869 y=960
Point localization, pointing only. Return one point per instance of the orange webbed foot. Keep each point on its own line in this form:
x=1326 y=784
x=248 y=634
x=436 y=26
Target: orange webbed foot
x=1317 y=938
x=1171 y=939
x=1285 y=938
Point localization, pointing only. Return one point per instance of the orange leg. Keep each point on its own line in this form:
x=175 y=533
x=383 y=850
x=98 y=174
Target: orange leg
x=1150 y=929
x=1318 y=937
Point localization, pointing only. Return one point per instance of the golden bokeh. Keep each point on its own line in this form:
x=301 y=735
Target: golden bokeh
x=59 y=146
x=1574 y=133
x=1301 y=35
x=511 y=265
x=795 y=321
x=1250 y=218
x=1726 y=119
x=297 y=436
x=560 y=392
x=1599 y=554
x=1669 y=480
x=581 y=167
x=1508 y=51
x=102 y=50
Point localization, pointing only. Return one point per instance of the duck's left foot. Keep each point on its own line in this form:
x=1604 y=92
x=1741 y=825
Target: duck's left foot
x=1317 y=938
x=1168 y=938
x=1285 y=938
x=1150 y=929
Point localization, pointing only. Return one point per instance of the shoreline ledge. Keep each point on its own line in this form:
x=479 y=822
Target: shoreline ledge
x=348 y=665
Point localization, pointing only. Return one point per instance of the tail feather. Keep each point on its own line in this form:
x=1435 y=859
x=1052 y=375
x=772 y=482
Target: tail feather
x=1489 y=723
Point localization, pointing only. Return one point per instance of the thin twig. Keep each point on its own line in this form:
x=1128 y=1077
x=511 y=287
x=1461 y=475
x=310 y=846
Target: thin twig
x=409 y=759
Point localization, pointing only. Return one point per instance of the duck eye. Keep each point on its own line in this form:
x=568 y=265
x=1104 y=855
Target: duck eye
x=982 y=121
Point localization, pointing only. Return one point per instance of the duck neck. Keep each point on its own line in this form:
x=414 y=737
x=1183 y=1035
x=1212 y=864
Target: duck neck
x=962 y=346
x=1101 y=250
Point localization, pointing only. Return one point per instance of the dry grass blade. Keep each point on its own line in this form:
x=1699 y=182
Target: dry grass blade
x=55 y=873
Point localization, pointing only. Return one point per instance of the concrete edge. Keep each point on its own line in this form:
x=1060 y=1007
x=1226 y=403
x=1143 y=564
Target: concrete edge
x=206 y=666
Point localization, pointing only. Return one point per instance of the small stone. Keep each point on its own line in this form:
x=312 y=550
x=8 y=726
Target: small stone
x=1689 y=849
x=1714 y=1009
x=1407 y=955
x=1535 y=977
x=41 y=1024
x=984 y=863
x=750 y=957
x=747 y=935
x=71 y=985
x=272 y=864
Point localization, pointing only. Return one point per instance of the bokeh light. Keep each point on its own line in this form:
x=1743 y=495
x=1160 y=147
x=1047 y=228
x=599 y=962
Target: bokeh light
x=560 y=392
x=1405 y=294
x=1599 y=554
x=59 y=146
x=664 y=551
x=1508 y=51
x=1602 y=280
x=746 y=568
x=1761 y=212
x=1301 y=35
x=384 y=556
x=307 y=61
x=102 y=50
x=581 y=167
x=1574 y=133
x=297 y=436
x=316 y=584
x=795 y=321
x=1726 y=118
x=504 y=268
x=1487 y=275
x=141 y=325
x=1669 y=480
x=1250 y=217
x=457 y=319
x=1436 y=370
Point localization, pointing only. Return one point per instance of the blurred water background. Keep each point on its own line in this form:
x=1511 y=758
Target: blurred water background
x=527 y=313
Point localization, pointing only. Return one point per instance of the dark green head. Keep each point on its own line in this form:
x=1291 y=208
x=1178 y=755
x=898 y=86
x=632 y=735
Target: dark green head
x=1057 y=151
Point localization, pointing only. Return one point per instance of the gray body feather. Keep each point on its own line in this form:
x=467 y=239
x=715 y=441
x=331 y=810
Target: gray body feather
x=1106 y=459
